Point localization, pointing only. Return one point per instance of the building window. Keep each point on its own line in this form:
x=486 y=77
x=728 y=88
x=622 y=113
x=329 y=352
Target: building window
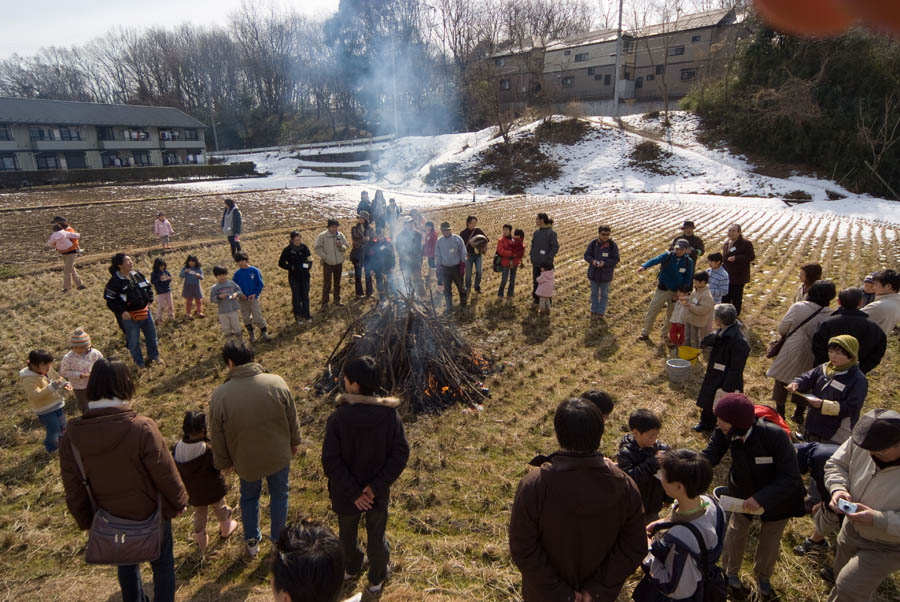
x=627 y=75
x=591 y=70
x=194 y=156
x=191 y=134
x=568 y=81
x=47 y=162
x=76 y=161
x=69 y=134
x=606 y=79
x=650 y=77
x=688 y=74
x=168 y=135
x=105 y=133
x=582 y=57
x=8 y=163
x=141 y=158
x=111 y=160
x=598 y=77
x=676 y=50
x=40 y=133
x=660 y=69
x=170 y=158
x=639 y=82
x=695 y=38
x=137 y=135
x=567 y=52
x=504 y=84
x=626 y=45
x=499 y=62
x=4 y=133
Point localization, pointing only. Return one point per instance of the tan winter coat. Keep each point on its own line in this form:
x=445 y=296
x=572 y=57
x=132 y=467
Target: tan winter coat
x=330 y=247
x=852 y=469
x=884 y=311
x=699 y=310
x=253 y=423
x=796 y=356
x=42 y=396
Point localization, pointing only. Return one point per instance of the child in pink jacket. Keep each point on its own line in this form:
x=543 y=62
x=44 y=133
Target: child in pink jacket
x=545 y=289
x=163 y=229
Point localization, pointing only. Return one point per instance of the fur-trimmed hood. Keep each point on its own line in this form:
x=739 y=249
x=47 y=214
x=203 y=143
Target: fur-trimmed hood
x=356 y=399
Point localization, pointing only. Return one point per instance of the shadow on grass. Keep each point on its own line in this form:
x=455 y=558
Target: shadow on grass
x=536 y=327
x=27 y=469
x=598 y=335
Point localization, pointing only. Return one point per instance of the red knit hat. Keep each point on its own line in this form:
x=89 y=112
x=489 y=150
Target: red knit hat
x=736 y=409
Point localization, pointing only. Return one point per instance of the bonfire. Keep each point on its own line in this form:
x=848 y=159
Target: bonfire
x=422 y=358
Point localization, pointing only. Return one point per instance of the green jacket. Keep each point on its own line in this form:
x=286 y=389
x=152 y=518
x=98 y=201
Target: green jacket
x=253 y=423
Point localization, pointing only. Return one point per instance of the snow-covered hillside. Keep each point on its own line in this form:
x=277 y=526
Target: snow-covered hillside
x=598 y=165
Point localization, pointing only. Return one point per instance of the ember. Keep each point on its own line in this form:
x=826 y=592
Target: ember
x=422 y=358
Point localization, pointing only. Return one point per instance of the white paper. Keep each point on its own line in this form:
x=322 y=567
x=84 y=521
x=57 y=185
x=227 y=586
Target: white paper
x=736 y=504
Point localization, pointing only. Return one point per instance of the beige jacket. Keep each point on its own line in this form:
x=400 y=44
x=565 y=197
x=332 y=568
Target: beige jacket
x=852 y=469
x=253 y=423
x=42 y=396
x=796 y=356
x=699 y=310
x=884 y=311
x=330 y=247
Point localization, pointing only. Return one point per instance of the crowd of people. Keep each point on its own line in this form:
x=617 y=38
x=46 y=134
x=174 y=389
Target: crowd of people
x=580 y=524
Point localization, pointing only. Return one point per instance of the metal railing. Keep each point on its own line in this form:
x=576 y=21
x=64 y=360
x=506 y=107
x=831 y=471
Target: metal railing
x=296 y=147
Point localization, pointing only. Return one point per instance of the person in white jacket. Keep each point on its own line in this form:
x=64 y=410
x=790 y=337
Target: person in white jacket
x=885 y=309
x=865 y=472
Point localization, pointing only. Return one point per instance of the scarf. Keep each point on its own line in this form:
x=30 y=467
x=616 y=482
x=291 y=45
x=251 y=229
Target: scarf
x=831 y=369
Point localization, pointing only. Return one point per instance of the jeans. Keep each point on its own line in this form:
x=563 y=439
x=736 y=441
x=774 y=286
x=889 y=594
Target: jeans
x=599 y=297
x=358 y=277
x=735 y=296
x=235 y=245
x=300 y=295
x=133 y=329
x=54 y=423
x=278 y=504
x=509 y=273
x=476 y=260
x=163 y=574
x=376 y=547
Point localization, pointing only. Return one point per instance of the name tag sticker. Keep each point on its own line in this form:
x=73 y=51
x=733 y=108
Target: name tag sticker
x=718 y=366
x=838 y=386
x=543 y=252
x=682 y=270
x=696 y=301
x=142 y=284
x=306 y=265
x=765 y=460
x=604 y=254
x=732 y=249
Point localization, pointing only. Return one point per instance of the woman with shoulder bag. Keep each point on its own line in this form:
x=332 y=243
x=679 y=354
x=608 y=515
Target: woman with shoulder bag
x=795 y=355
x=114 y=463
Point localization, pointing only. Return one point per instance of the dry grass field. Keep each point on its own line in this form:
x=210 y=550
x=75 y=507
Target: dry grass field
x=450 y=507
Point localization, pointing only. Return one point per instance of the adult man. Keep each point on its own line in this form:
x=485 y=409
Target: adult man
x=675 y=273
x=330 y=246
x=885 y=309
x=254 y=430
x=738 y=254
x=544 y=246
x=765 y=474
x=449 y=252
x=409 y=254
x=576 y=530
x=361 y=234
x=474 y=255
x=848 y=319
x=687 y=233
x=602 y=256
x=865 y=471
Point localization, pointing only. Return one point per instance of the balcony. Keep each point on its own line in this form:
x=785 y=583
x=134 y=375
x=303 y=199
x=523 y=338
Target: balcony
x=10 y=145
x=60 y=145
x=186 y=144
x=122 y=144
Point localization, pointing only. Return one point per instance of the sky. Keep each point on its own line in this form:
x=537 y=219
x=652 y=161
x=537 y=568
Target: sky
x=26 y=26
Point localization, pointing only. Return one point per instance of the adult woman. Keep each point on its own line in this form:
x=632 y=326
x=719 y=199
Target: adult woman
x=295 y=259
x=129 y=468
x=809 y=275
x=796 y=356
x=544 y=246
x=379 y=210
x=128 y=295
x=65 y=240
x=360 y=235
x=231 y=225
x=725 y=369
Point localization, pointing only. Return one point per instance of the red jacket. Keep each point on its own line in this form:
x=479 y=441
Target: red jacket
x=430 y=241
x=511 y=250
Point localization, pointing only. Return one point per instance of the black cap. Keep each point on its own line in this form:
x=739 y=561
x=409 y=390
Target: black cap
x=877 y=430
x=445 y=225
x=687 y=224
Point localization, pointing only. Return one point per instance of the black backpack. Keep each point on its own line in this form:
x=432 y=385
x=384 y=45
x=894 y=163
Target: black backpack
x=712 y=586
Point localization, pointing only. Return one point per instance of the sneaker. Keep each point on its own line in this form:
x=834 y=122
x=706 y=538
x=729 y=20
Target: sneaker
x=736 y=588
x=644 y=337
x=265 y=335
x=227 y=528
x=827 y=573
x=809 y=547
x=374 y=588
x=81 y=287
x=252 y=548
x=338 y=304
x=765 y=589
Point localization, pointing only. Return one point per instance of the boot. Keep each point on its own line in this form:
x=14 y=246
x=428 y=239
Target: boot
x=252 y=334
x=202 y=540
x=265 y=334
x=226 y=528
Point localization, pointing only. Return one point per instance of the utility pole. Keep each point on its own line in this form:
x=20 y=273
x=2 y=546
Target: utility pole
x=212 y=118
x=394 y=78
x=618 y=64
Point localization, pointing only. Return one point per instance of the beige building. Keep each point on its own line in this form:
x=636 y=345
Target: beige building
x=517 y=73
x=53 y=134
x=583 y=67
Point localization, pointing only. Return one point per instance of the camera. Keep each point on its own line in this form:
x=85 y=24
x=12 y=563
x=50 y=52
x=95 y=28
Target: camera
x=847 y=507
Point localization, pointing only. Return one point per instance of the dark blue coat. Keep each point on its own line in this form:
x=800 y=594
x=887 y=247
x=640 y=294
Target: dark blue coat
x=608 y=253
x=849 y=388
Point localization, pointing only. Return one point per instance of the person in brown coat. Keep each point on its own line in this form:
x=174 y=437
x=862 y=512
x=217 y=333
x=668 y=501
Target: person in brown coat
x=128 y=467
x=576 y=528
x=738 y=254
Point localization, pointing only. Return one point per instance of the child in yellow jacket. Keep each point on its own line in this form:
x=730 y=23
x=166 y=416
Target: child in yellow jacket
x=44 y=391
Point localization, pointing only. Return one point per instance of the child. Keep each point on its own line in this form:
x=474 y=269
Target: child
x=673 y=568
x=308 y=565
x=698 y=315
x=545 y=289
x=430 y=241
x=203 y=481
x=161 y=280
x=76 y=365
x=840 y=389
x=249 y=279
x=163 y=229
x=718 y=277
x=602 y=400
x=638 y=454
x=42 y=386
x=511 y=248
x=225 y=294
x=192 y=273
x=364 y=452
x=676 y=323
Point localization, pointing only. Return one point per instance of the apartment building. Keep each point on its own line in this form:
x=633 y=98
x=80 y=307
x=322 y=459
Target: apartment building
x=40 y=134
x=517 y=71
x=582 y=67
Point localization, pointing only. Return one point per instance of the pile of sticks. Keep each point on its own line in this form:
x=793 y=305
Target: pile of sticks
x=422 y=358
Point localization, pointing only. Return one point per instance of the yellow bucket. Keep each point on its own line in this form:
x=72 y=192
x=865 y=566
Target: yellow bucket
x=688 y=353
